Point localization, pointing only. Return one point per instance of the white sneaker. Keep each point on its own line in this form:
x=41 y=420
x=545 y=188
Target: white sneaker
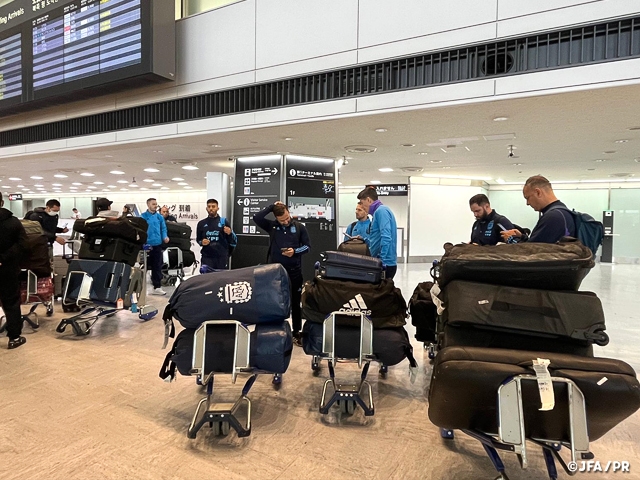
x=158 y=291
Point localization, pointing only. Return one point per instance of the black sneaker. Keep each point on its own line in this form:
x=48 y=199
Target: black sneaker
x=16 y=342
x=297 y=339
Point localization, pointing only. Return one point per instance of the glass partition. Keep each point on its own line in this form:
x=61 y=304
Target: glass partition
x=625 y=204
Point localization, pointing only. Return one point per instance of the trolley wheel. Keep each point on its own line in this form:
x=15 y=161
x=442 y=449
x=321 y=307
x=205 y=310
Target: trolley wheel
x=431 y=351
x=347 y=406
x=49 y=310
x=447 y=434
x=277 y=379
x=225 y=428
x=383 y=370
x=81 y=329
x=217 y=429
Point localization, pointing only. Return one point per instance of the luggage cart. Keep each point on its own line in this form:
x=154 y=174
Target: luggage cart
x=222 y=347
x=347 y=396
x=30 y=296
x=512 y=437
x=172 y=276
x=146 y=312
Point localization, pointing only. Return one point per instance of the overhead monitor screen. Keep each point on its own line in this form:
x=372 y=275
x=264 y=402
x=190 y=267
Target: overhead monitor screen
x=11 y=67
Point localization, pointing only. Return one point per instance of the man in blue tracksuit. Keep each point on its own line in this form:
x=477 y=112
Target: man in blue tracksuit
x=289 y=240
x=383 y=237
x=215 y=237
x=556 y=220
x=156 y=236
x=489 y=223
x=361 y=228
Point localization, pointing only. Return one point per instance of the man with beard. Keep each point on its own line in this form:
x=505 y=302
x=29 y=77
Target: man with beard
x=489 y=223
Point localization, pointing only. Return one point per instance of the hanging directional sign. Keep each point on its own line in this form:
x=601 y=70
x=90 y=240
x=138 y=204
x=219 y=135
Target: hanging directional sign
x=395 y=190
x=15 y=196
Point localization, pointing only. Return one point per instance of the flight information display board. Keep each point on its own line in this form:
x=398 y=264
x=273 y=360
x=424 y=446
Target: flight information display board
x=55 y=47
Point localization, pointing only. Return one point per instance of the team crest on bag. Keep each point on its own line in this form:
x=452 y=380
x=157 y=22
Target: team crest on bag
x=237 y=292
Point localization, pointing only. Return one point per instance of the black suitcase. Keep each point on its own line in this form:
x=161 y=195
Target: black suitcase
x=350 y=266
x=188 y=258
x=424 y=315
x=110 y=279
x=109 y=249
x=179 y=235
x=381 y=302
x=131 y=229
x=545 y=266
x=575 y=317
x=465 y=382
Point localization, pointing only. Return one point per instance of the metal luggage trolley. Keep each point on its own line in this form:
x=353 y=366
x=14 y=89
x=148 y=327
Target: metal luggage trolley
x=512 y=436
x=222 y=347
x=33 y=298
x=347 y=395
x=172 y=276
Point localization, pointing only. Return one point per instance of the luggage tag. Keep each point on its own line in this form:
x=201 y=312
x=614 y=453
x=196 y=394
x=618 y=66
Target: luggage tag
x=545 y=384
x=435 y=291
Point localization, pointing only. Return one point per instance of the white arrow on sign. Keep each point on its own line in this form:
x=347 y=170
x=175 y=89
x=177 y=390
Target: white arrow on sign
x=275 y=171
x=239 y=201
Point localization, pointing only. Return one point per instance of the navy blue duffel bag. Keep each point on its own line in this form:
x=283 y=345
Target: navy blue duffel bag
x=271 y=348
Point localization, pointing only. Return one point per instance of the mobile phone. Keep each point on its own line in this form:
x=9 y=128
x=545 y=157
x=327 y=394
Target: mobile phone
x=282 y=250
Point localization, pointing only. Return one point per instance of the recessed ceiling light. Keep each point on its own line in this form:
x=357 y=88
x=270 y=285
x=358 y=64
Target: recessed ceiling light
x=108 y=156
x=446 y=168
x=516 y=164
x=144 y=188
x=56 y=184
x=435 y=161
x=179 y=179
x=467 y=149
x=609 y=152
x=87 y=174
x=288 y=138
x=157 y=151
x=164 y=188
x=73 y=188
x=117 y=172
x=385 y=169
x=381 y=130
x=38 y=185
x=408 y=145
x=151 y=170
x=15 y=179
x=188 y=188
x=215 y=145
x=500 y=119
x=360 y=149
x=443 y=150
x=182 y=184
x=375 y=182
x=111 y=186
x=156 y=185
x=133 y=185
x=423 y=153
x=190 y=167
x=124 y=189
x=91 y=187
x=617 y=141
x=599 y=160
x=500 y=181
x=76 y=183
x=35 y=177
x=148 y=180
x=123 y=181
x=60 y=175
x=98 y=183
x=20 y=186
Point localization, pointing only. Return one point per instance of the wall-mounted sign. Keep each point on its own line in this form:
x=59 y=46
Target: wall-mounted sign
x=15 y=196
x=391 y=190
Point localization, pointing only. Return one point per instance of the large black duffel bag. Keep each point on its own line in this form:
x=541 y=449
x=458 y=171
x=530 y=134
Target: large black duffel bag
x=188 y=258
x=545 y=266
x=271 y=348
x=179 y=235
x=131 y=229
x=465 y=383
x=355 y=245
x=249 y=295
x=424 y=315
x=569 y=316
x=111 y=249
x=383 y=303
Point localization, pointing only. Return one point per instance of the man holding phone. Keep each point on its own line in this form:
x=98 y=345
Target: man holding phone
x=289 y=240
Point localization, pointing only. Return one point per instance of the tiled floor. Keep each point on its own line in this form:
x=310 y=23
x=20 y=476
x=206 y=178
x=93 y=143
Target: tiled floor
x=94 y=408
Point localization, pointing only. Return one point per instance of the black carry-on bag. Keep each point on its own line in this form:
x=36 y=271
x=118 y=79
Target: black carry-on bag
x=424 y=315
x=109 y=249
x=545 y=266
x=110 y=280
x=350 y=266
x=131 y=229
x=179 y=235
x=355 y=245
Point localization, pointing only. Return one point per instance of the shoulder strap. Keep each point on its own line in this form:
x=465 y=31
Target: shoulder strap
x=566 y=227
x=350 y=228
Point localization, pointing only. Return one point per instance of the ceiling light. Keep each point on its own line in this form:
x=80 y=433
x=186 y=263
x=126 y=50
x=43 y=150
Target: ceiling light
x=500 y=181
x=87 y=174
x=108 y=156
x=56 y=184
x=190 y=167
x=590 y=169
x=91 y=187
x=15 y=179
x=385 y=169
x=179 y=179
x=38 y=185
x=443 y=150
x=60 y=175
x=20 y=186
x=501 y=119
x=134 y=185
x=164 y=188
x=408 y=145
x=467 y=149
x=375 y=182
x=188 y=188
x=423 y=153
x=148 y=180
x=288 y=138
x=381 y=130
x=360 y=149
x=617 y=141
x=600 y=160
x=35 y=177
x=182 y=184
x=124 y=189
x=76 y=183
x=144 y=188
x=73 y=188
x=156 y=185
x=151 y=170
x=117 y=172
x=516 y=164
x=436 y=161
x=123 y=181
x=112 y=186
x=98 y=183
x=609 y=152
x=446 y=168
x=157 y=151
x=215 y=145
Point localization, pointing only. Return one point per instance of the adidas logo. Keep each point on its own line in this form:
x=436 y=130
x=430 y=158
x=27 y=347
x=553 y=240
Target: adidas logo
x=356 y=304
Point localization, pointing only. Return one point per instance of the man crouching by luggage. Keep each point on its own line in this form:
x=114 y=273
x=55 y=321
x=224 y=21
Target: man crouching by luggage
x=383 y=238
x=556 y=220
x=215 y=237
x=289 y=240
x=156 y=236
x=13 y=243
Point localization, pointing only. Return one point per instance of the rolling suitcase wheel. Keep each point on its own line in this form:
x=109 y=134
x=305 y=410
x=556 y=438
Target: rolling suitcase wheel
x=277 y=380
x=431 y=350
x=49 y=309
x=446 y=434
x=383 y=370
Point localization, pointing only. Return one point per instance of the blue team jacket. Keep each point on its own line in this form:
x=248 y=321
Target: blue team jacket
x=383 y=241
x=157 y=229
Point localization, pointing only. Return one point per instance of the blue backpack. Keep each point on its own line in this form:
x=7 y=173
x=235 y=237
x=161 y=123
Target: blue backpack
x=588 y=230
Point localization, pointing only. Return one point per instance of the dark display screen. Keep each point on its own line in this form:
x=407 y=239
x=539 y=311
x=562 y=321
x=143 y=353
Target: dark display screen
x=11 y=67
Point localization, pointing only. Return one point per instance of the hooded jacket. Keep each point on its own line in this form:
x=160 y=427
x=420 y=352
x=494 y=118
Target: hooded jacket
x=13 y=241
x=49 y=223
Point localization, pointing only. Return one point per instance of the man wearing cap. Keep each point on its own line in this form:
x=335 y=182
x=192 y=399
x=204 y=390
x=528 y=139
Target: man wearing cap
x=103 y=205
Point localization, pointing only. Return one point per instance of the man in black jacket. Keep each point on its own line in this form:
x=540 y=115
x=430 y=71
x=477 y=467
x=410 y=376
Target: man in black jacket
x=48 y=218
x=489 y=223
x=289 y=240
x=216 y=238
x=13 y=240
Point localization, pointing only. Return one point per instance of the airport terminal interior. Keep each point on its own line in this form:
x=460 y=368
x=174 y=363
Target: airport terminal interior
x=252 y=102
